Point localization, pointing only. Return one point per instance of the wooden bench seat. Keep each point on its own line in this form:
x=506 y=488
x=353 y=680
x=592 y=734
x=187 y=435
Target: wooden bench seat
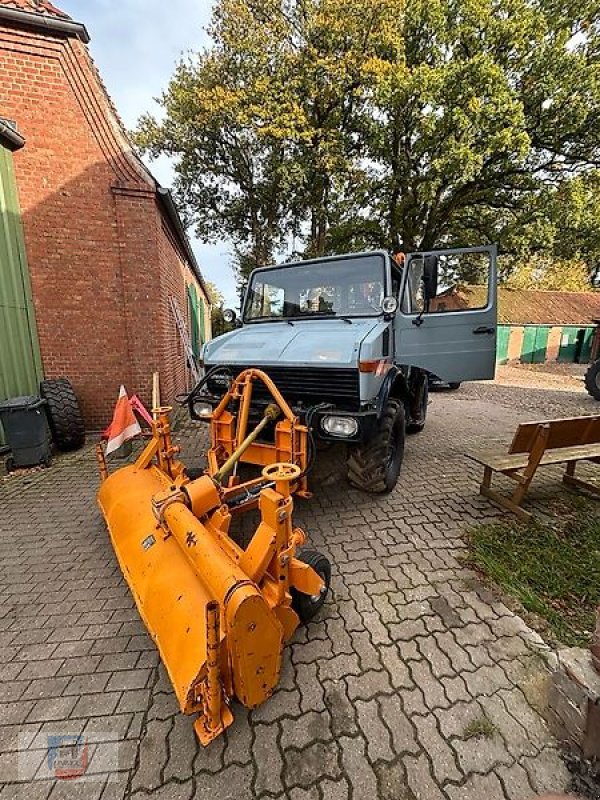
x=540 y=444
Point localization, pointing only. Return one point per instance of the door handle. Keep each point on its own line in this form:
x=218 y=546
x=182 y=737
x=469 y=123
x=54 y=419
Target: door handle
x=485 y=329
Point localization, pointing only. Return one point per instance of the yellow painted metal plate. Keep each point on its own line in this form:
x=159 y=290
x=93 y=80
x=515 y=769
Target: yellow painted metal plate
x=169 y=595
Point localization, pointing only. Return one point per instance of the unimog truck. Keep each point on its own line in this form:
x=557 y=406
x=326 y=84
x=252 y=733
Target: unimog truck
x=350 y=341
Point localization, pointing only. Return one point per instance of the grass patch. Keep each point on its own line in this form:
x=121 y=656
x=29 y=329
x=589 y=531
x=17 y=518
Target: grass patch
x=482 y=727
x=551 y=567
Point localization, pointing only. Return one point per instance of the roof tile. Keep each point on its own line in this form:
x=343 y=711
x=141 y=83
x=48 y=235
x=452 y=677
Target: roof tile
x=44 y=7
x=531 y=306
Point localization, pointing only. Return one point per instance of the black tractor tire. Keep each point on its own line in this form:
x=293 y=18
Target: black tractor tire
x=305 y=605
x=64 y=415
x=592 y=380
x=417 y=425
x=453 y=386
x=374 y=466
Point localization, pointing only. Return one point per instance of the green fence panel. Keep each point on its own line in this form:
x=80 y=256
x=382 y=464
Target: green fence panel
x=503 y=340
x=20 y=359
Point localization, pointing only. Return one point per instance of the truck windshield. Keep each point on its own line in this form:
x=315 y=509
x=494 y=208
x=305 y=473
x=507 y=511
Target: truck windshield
x=353 y=287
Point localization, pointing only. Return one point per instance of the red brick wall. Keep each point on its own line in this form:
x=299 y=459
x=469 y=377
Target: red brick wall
x=98 y=255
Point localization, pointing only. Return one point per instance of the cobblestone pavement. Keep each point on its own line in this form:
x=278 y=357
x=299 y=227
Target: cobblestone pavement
x=377 y=696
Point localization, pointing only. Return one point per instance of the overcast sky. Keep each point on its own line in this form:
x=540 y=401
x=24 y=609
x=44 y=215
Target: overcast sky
x=136 y=44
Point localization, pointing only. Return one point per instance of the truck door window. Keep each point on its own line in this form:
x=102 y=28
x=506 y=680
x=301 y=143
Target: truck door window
x=463 y=284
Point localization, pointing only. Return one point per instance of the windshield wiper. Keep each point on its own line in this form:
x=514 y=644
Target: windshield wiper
x=346 y=319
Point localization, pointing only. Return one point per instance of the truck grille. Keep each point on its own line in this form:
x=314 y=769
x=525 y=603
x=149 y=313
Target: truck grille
x=304 y=385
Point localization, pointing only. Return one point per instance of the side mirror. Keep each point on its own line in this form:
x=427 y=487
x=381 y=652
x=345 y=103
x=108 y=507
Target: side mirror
x=229 y=316
x=430 y=277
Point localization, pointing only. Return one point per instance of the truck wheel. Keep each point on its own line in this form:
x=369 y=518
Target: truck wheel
x=64 y=415
x=417 y=425
x=374 y=466
x=453 y=386
x=592 y=380
x=305 y=605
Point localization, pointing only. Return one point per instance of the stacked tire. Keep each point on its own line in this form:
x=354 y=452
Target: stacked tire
x=64 y=414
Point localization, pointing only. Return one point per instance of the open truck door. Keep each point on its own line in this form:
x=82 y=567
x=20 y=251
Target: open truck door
x=447 y=319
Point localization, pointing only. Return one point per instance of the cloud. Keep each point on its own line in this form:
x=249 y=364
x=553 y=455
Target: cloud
x=136 y=45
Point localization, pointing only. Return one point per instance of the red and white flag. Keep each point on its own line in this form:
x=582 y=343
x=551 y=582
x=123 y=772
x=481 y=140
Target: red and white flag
x=124 y=425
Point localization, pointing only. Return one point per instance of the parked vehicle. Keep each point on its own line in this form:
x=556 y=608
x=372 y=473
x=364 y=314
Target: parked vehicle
x=350 y=341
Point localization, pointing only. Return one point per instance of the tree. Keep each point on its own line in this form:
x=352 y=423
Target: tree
x=496 y=102
x=550 y=274
x=332 y=125
x=215 y=296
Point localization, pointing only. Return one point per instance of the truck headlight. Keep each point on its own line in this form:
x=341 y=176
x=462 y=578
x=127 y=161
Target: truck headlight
x=340 y=426
x=203 y=410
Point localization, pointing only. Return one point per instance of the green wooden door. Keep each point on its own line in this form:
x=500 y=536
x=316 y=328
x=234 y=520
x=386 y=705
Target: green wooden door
x=20 y=360
x=503 y=340
x=568 y=344
x=585 y=348
x=535 y=344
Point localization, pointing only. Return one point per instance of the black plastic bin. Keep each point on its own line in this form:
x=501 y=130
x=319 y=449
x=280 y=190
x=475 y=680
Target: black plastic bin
x=26 y=431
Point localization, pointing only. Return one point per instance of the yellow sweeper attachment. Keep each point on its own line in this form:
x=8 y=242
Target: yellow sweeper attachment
x=218 y=614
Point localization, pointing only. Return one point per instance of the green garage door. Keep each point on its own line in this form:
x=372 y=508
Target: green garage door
x=502 y=343
x=20 y=361
x=535 y=343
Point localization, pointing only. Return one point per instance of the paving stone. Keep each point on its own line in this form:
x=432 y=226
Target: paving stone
x=238 y=749
x=128 y=679
x=163 y=705
x=368 y=685
x=306 y=767
x=211 y=758
x=547 y=772
x=481 y=753
x=360 y=774
x=281 y=704
x=309 y=727
x=341 y=710
x=420 y=779
x=379 y=742
x=437 y=659
x=440 y=753
x=367 y=652
x=267 y=758
x=399 y=725
x=311 y=689
x=335 y=790
x=96 y=705
x=152 y=757
x=516 y=737
x=52 y=708
x=233 y=783
x=134 y=700
x=515 y=782
x=431 y=687
x=477 y=787
x=339 y=667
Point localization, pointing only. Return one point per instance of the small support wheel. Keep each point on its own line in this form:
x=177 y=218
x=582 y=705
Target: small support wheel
x=306 y=605
x=10 y=464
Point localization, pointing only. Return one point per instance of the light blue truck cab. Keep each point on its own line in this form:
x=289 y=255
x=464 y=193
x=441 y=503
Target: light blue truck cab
x=350 y=341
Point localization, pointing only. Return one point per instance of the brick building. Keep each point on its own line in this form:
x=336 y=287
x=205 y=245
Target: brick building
x=91 y=247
